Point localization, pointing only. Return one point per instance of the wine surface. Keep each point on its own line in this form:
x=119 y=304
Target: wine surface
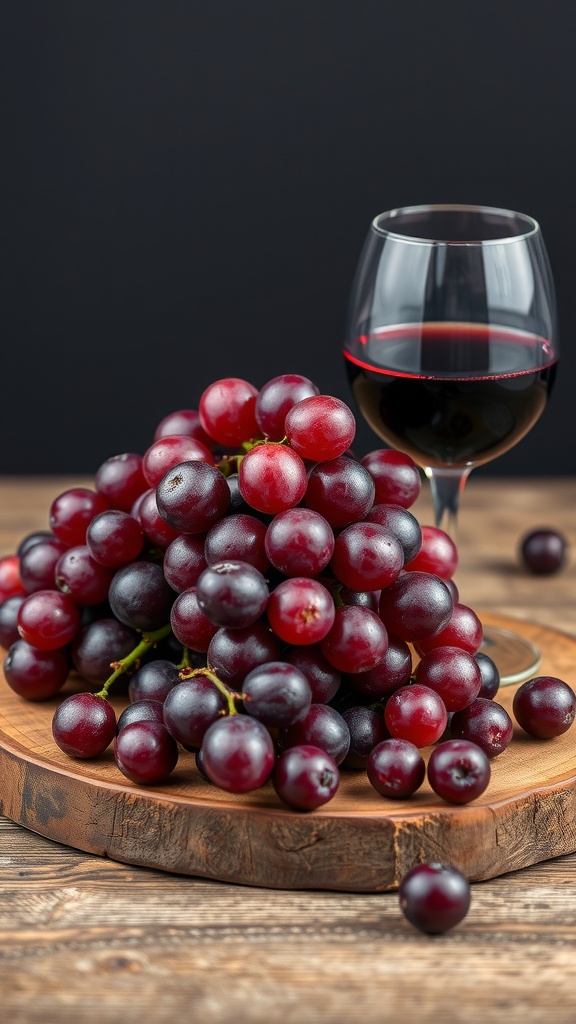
x=450 y=394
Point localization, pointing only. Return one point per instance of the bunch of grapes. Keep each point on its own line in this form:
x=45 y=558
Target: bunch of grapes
x=271 y=600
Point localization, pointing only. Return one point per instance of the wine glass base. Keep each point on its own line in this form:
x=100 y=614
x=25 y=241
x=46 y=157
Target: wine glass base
x=516 y=658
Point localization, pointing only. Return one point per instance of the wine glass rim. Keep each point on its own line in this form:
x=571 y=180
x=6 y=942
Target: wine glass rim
x=532 y=225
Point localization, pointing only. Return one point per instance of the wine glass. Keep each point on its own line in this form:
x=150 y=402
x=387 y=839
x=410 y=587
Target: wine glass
x=451 y=350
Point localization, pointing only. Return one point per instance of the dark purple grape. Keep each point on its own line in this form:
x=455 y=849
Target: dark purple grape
x=48 y=619
x=238 y=753
x=9 y=620
x=458 y=771
x=140 y=596
x=277 y=694
x=153 y=681
x=38 y=537
x=299 y=542
x=369 y=599
x=544 y=551
x=191 y=708
x=434 y=897
x=396 y=768
x=114 y=538
x=417 y=605
x=305 y=777
x=145 y=752
x=141 y=711
x=392 y=671
x=184 y=561
x=323 y=678
x=84 y=725
x=452 y=673
x=321 y=727
x=199 y=761
x=100 y=644
x=544 y=707
x=485 y=723
x=341 y=490
x=237 y=538
x=237 y=504
x=233 y=653
x=232 y=594
x=38 y=564
x=490 y=675
x=402 y=524
x=367 y=729
x=192 y=497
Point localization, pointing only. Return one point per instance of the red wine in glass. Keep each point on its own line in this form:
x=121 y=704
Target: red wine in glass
x=450 y=416
x=451 y=350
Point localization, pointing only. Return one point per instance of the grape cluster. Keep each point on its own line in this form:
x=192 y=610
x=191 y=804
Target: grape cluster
x=273 y=603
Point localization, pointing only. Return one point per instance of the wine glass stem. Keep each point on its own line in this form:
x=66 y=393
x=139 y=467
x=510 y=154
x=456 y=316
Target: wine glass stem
x=446 y=486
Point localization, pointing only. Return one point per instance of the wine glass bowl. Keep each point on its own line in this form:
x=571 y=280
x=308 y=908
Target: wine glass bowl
x=451 y=345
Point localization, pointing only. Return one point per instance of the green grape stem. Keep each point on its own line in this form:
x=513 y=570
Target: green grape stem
x=148 y=640
x=189 y=673
x=185 y=661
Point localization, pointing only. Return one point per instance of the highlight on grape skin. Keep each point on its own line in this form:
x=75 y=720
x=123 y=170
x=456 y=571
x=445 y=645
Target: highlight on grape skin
x=277 y=611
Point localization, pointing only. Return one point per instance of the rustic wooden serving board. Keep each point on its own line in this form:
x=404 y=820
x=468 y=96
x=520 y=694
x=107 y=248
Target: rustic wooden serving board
x=358 y=842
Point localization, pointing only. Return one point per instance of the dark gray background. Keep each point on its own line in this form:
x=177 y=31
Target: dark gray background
x=186 y=187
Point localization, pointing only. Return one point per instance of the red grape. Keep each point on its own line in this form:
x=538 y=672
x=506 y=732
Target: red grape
x=300 y=611
x=395 y=475
x=416 y=713
x=320 y=428
x=227 y=411
x=272 y=478
x=48 y=620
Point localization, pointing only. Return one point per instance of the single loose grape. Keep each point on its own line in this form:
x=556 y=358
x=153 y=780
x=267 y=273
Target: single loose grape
x=434 y=897
x=544 y=551
x=544 y=707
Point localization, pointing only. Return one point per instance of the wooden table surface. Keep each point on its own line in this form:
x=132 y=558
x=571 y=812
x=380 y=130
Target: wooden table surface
x=84 y=938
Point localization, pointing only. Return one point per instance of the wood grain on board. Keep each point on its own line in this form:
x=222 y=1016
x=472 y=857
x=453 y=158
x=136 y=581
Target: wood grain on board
x=359 y=841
